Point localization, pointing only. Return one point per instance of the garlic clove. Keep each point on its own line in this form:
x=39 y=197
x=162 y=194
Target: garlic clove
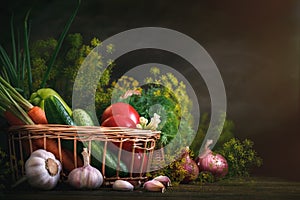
x=164 y=180
x=122 y=185
x=136 y=184
x=154 y=186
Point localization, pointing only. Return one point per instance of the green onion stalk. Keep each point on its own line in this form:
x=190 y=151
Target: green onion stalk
x=8 y=104
x=14 y=95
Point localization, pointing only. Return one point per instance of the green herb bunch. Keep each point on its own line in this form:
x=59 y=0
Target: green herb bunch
x=206 y=177
x=241 y=157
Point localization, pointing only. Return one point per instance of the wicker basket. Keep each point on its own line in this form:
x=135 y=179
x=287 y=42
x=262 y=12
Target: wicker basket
x=24 y=139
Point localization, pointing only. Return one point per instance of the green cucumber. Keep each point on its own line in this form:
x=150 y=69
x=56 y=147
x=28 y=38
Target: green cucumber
x=82 y=118
x=56 y=112
x=111 y=160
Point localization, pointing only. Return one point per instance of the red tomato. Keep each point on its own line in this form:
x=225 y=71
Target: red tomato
x=123 y=109
x=118 y=121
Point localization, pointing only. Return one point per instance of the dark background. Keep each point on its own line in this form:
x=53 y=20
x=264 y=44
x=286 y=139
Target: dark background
x=255 y=44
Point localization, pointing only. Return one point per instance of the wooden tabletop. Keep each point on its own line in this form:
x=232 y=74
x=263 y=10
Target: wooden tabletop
x=255 y=188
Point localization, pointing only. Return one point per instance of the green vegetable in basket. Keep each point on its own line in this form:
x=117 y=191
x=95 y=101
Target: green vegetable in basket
x=56 y=112
x=82 y=118
x=112 y=162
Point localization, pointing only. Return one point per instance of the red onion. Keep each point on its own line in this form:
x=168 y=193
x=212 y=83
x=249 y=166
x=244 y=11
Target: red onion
x=212 y=162
x=190 y=166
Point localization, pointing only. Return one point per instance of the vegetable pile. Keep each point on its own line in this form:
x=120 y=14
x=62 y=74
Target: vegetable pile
x=131 y=110
x=28 y=100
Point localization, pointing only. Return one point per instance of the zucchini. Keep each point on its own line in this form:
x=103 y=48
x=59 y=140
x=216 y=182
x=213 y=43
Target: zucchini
x=82 y=118
x=56 y=112
x=111 y=160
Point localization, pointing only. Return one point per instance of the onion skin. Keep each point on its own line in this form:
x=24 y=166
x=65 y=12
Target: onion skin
x=190 y=166
x=214 y=163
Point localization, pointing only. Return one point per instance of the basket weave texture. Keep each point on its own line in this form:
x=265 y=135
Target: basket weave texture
x=25 y=139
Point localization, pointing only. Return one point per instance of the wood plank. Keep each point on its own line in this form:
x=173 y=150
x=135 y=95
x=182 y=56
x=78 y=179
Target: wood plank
x=258 y=188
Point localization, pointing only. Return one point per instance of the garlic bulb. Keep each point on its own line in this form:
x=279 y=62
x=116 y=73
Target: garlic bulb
x=42 y=170
x=122 y=185
x=86 y=176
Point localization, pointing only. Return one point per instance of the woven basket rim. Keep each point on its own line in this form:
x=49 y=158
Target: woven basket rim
x=97 y=130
